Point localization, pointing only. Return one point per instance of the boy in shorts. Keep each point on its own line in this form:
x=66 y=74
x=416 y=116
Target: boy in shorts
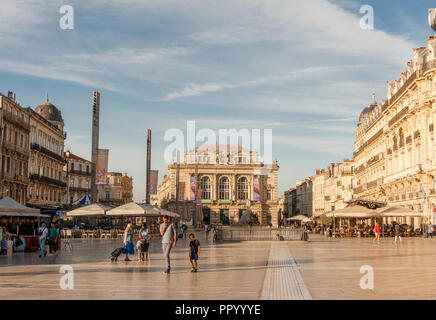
x=194 y=251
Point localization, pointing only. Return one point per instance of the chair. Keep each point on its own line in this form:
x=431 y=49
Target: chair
x=66 y=243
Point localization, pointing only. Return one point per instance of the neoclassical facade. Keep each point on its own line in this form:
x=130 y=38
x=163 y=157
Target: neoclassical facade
x=117 y=191
x=47 y=187
x=395 y=151
x=14 y=151
x=333 y=188
x=78 y=173
x=220 y=187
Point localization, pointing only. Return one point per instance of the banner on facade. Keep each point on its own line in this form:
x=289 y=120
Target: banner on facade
x=256 y=189
x=181 y=191
x=101 y=166
x=192 y=188
x=154 y=174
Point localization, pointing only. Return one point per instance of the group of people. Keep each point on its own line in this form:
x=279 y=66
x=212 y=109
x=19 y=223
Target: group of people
x=48 y=236
x=169 y=234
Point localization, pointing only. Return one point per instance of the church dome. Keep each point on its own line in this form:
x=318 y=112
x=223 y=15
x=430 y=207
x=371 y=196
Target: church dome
x=49 y=111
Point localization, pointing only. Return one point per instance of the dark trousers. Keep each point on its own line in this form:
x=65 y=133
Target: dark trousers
x=52 y=245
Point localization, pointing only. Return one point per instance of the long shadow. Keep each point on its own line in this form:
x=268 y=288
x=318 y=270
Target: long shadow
x=146 y=270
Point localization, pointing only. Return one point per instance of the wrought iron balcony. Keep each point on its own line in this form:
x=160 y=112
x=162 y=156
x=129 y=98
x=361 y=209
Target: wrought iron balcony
x=47 y=180
x=79 y=172
x=51 y=154
x=16 y=120
x=79 y=189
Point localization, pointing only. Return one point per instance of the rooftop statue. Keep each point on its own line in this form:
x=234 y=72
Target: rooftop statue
x=432 y=18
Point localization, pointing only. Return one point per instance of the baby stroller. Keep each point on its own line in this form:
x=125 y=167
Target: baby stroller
x=142 y=249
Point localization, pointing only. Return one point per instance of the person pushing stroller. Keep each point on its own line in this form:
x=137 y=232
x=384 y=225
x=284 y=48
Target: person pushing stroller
x=142 y=245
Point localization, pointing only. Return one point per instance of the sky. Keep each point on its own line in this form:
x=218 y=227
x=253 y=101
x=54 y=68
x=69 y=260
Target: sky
x=304 y=69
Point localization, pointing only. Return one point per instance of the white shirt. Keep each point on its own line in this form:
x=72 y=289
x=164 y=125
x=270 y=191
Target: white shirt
x=44 y=232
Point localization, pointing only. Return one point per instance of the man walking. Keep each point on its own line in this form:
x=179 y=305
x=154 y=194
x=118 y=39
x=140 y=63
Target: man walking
x=184 y=228
x=397 y=232
x=42 y=232
x=430 y=229
x=169 y=239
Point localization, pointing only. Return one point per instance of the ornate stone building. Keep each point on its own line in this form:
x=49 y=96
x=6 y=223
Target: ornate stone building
x=117 y=191
x=221 y=187
x=78 y=173
x=14 y=151
x=333 y=188
x=304 y=197
x=395 y=146
x=47 y=187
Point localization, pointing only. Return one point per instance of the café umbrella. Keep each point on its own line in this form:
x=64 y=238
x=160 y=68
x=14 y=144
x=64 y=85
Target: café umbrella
x=95 y=210
x=135 y=209
x=10 y=207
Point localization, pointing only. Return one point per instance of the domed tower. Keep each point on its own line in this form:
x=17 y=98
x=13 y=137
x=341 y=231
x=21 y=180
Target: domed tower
x=49 y=112
x=369 y=108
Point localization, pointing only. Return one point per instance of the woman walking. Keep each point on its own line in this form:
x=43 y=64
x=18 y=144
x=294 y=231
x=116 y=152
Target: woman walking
x=128 y=242
x=377 y=232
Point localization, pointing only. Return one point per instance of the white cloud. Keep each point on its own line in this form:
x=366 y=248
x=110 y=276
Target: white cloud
x=330 y=145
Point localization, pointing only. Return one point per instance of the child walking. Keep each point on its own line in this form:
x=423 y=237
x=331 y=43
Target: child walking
x=194 y=252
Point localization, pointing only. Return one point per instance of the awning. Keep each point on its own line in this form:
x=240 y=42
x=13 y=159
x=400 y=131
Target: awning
x=85 y=200
x=300 y=217
x=10 y=207
x=134 y=209
x=353 y=212
x=94 y=210
x=140 y=209
x=397 y=211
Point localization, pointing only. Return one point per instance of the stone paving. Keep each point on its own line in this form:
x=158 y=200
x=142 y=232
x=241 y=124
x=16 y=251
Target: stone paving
x=282 y=279
x=226 y=271
x=331 y=269
x=320 y=269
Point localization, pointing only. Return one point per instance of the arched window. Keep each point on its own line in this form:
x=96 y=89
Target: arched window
x=224 y=189
x=205 y=188
x=242 y=189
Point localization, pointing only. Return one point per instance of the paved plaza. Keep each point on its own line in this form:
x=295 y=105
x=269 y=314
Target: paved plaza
x=320 y=269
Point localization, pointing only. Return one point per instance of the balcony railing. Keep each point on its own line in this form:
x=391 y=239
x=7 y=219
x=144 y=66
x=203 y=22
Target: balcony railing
x=15 y=148
x=79 y=189
x=398 y=116
x=408 y=139
x=372 y=184
x=18 y=121
x=416 y=134
x=47 y=180
x=47 y=152
x=83 y=173
x=406 y=85
x=110 y=200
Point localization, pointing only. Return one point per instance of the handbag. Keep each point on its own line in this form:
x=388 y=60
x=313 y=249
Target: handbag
x=18 y=242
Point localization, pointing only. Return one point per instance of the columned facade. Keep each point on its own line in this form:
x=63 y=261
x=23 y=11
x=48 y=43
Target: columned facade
x=226 y=191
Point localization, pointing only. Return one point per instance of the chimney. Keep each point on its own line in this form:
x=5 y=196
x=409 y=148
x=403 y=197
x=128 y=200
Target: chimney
x=318 y=171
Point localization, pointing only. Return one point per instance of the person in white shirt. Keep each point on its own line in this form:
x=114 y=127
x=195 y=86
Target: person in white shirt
x=42 y=232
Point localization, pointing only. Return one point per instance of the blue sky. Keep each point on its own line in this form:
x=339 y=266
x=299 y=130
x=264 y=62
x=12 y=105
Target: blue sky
x=304 y=69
